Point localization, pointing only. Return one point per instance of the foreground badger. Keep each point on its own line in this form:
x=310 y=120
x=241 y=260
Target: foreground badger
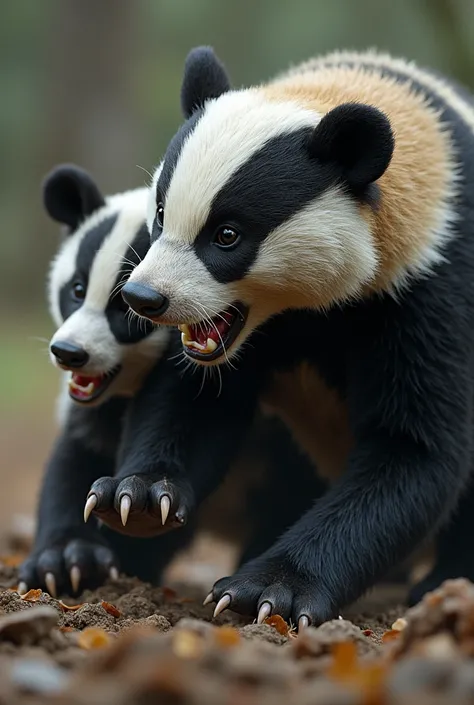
x=316 y=233
x=107 y=355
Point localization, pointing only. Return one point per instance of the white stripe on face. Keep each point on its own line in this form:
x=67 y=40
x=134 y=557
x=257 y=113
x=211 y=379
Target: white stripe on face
x=232 y=129
x=109 y=259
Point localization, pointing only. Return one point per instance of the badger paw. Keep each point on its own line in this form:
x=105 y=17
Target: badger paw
x=68 y=566
x=273 y=586
x=138 y=505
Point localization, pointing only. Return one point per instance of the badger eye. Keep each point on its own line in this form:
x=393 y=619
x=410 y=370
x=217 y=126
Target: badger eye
x=160 y=214
x=78 y=291
x=226 y=237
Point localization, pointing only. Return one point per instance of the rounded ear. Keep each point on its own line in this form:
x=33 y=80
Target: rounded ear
x=70 y=195
x=204 y=78
x=357 y=139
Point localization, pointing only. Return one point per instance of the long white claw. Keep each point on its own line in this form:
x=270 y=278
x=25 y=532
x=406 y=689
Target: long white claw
x=22 y=587
x=208 y=600
x=125 y=504
x=50 y=582
x=340 y=617
x=90 y=505
x=165 y=505
x=303 y=623
x=75 y=577
x=263 y=612
x=113 y=573
x=222 y=605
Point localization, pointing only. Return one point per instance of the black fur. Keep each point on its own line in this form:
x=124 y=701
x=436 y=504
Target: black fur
x=128 y=330
x=204 y=78
x=358 y=140
x=172 y=155
x=70 y=195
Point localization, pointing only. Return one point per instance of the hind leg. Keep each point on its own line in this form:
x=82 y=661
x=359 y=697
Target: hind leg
x=454 y=550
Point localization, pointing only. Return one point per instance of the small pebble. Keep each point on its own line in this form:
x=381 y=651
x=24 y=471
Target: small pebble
x=38 y=677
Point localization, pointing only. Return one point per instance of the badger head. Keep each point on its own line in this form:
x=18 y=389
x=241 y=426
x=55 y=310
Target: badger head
x=256 y=209
x=104 y=348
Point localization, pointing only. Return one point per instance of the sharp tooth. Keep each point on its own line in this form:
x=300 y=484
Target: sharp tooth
x=211 y=345
x=85 y=390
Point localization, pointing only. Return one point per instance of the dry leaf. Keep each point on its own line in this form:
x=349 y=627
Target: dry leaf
x=67 y=629
x=93 y=638
x=344 y=661
x=70 y=608
x=13 y=560
x=111 y=609
x=32 y=595
x=277 y=623
x=187 y=644
x=169 y=594
x=366 y=679
x=390 y=635
x=226 y=637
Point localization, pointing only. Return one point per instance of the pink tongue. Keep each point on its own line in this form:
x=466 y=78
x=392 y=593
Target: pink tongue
x=84 y=381
x=201 y=332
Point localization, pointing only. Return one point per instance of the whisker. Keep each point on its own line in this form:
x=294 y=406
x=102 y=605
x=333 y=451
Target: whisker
x=145 y=170
x=134 y=250
x=37 y=337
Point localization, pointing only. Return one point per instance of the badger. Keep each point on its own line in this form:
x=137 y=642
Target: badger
x=106 y=356
x=316 y=234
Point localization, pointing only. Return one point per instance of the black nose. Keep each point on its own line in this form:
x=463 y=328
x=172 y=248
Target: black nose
x=68 y=354
x=144 y=300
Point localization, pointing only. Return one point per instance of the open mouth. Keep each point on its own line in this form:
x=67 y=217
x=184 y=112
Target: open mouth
x=209 y=339
x=85 y=389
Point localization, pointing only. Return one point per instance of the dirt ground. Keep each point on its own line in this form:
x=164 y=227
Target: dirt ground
x=130 y=644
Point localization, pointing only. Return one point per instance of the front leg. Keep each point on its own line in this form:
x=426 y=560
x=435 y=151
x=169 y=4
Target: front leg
x=409 y=397
x=170 y=459
x=67 y=555
x=394 y=495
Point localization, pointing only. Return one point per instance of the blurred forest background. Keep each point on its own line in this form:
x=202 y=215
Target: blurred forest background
x=97 y=82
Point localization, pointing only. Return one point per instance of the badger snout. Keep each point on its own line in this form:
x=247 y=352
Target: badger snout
x=68 y=354
x=144 y=300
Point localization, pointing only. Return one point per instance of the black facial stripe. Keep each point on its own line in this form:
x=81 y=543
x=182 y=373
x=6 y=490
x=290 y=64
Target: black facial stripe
x=91 y=243
x=171 y=159
x=125 y=328
x=271 y=187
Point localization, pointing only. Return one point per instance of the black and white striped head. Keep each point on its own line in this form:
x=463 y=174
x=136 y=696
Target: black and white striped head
x=104 y=347
x=256 y=209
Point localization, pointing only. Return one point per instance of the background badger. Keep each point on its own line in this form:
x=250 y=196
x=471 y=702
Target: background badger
x=107 y=354
x=316 y=232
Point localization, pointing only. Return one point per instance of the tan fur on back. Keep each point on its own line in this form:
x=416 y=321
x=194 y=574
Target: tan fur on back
x=315 y=415
x=414 y=215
